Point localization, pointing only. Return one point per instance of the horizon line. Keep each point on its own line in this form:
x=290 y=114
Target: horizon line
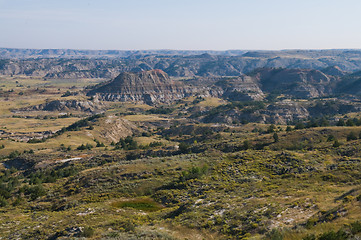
x=165 y=49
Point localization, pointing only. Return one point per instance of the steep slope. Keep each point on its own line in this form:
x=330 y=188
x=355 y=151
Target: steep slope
x=350 y=84
x=242 y=88
x=300 y=83
x=334 y=71
x=150 y=87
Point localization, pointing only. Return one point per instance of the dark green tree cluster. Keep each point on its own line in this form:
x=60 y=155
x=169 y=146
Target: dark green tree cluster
x=14 y=154
x=67 y=94
x=34 y=191
x=271 y=128
x=79 y=124
x=349 y=122
x=313 y=122
x=160 y=110
x=184 y=148
x=99 y=144
x=193 y=173
x=36 y=140
x=353 y=136
x=8 y=184
x=85 y=147
x=127 y=143
x=49 y=176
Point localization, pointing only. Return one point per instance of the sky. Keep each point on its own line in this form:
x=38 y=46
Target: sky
x=180 y=24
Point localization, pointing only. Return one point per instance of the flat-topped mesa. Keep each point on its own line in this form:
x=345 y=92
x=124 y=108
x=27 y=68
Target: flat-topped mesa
x=153 y=86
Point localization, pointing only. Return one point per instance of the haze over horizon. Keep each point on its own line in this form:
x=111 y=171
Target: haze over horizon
x=180 y=25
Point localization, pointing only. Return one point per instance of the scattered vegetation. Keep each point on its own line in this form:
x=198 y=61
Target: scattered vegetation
x=178 y=176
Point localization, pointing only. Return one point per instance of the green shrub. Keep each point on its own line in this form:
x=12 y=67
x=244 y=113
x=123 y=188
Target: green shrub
x=336 y=144
x=87 y=232
x=331 y=138
x=85 y=147
x=350 y=122
x=351 y=136
x=194 y=172
x=127 y=143
x=340 y=122
x=275 y=234
x=331 y=235
x=355 y=227
x=311 y=222
x=310 y=237
x=3 y=202
x=35 y=140
x=271 y=128
x=184 y=147
x=275 y=137
x=35 y=191
x=14 y=154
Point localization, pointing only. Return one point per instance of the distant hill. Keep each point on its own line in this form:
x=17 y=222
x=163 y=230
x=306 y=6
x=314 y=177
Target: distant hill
x=73 y=53
x=71 y=64
x=300 y=83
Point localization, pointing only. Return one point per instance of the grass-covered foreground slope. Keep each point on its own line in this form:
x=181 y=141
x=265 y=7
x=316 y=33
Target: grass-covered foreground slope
x=223 y=191
x=141 y=172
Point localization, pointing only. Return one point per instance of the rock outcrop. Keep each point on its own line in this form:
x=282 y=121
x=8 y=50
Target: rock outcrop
x=284 y=112
x=299 y=83
x=149 y=87
x=113 y=128
x=278 y=113
x=67 y=105
x=242 y=88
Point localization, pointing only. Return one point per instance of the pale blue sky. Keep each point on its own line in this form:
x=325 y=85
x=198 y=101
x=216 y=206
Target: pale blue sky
x=180 y=24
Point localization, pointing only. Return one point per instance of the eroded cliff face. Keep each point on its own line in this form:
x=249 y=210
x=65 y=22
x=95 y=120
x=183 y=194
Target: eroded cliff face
x=150 y=87
x=278 y=113
x=242 y=88
x=300 y=83
x=284 y=112
x=155 y=86
x=67 y=105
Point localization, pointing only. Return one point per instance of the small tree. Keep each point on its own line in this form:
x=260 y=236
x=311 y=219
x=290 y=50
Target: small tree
x=340 y=122
x=184 y=147
x=351 y=136
x=246 y=145
x=271 y=128
x=275 y=137
x=300 y=125
x=3 y=202
x=330 y=138
x=350 y=122
x=336 y=144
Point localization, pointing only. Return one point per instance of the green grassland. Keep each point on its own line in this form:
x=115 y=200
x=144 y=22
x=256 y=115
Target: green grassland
x=141 y=172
